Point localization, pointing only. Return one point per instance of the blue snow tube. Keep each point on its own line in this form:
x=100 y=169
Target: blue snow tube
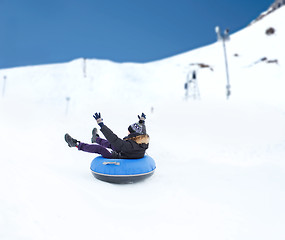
x=122 y=170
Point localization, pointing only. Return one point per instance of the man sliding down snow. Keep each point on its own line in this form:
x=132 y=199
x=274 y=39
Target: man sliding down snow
x=132 y=146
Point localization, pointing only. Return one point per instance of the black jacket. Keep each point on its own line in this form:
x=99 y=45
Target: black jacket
x=132 y=146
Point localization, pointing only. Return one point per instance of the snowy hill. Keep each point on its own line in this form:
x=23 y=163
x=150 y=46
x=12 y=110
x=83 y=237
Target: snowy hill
x=220 y=163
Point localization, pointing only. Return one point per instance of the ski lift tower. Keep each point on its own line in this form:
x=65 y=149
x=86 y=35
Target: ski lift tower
x=191 y=86
x=225 y=37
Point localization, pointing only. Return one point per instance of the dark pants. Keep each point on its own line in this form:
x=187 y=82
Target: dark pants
x=99 y=148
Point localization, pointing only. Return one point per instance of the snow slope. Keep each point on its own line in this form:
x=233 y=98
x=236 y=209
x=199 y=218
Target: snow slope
x=220 y=163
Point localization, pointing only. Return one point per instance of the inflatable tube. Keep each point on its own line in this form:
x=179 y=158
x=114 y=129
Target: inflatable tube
x=122 y=170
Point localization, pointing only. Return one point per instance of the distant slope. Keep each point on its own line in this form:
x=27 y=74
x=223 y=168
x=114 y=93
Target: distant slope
x=256 y=67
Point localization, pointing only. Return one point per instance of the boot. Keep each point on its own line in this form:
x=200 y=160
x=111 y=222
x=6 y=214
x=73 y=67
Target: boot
x=94 y=135
x=71 y=141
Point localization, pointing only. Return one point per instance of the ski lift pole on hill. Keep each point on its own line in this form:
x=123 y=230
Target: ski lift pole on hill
x=225 y=37
x=67 y=102
x=4 y=86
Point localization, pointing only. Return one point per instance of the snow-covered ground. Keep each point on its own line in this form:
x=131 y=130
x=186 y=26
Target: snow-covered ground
x=220 y=163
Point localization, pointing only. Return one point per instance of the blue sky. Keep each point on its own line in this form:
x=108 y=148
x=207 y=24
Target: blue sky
x=41 y=32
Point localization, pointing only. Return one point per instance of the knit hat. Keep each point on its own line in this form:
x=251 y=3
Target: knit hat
x=137 y=128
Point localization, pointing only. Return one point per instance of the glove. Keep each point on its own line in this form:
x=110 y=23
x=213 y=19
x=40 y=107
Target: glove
x=98 y=118
x=142 y=118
